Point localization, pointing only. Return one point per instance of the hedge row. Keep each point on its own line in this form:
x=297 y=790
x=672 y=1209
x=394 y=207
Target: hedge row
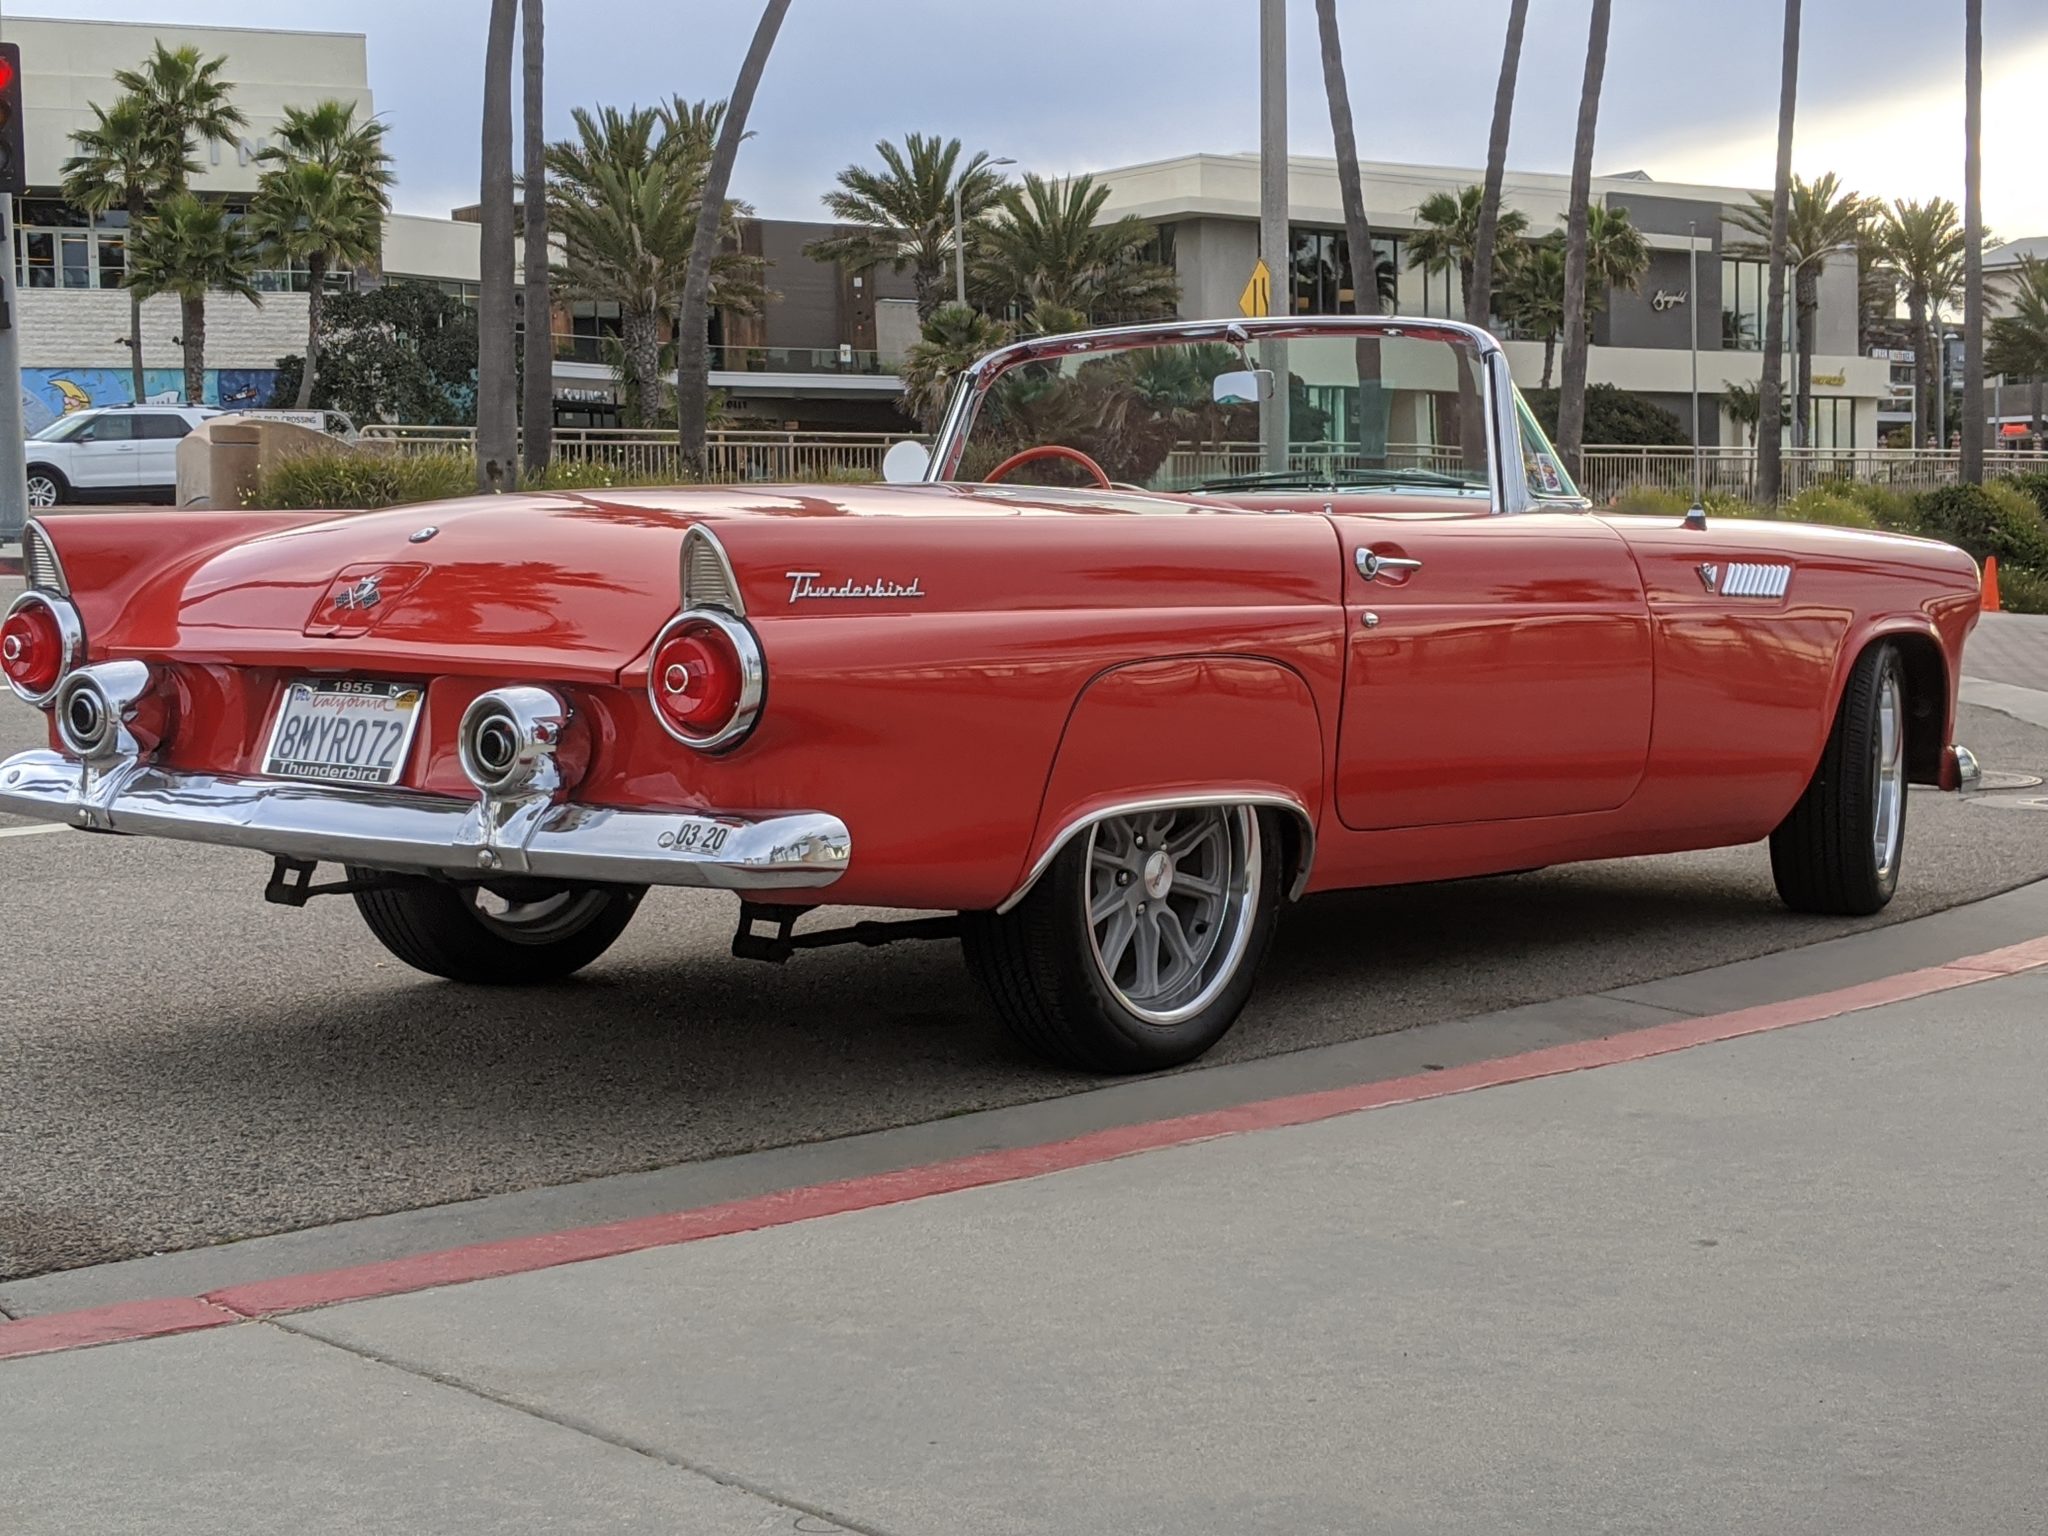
x=358 y=479
x=2007 y=518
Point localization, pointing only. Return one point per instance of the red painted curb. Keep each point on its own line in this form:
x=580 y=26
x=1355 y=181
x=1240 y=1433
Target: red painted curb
x=520 y=1255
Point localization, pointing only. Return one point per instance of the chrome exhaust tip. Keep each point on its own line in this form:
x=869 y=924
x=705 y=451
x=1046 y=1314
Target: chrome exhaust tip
x=94 y=705
x=508 y=740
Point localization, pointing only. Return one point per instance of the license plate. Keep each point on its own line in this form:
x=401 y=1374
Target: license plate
x=343 y=731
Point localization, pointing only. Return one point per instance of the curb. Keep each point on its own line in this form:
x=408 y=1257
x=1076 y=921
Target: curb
x=256 y=1300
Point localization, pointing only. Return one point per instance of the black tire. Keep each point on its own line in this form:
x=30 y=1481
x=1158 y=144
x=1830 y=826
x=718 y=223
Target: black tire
x=445 y=930
x=60 y=488
x=1039 y=965
x=1824 y=855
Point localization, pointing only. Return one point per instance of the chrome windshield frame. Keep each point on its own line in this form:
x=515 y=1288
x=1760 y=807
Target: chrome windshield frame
x=1507 y=475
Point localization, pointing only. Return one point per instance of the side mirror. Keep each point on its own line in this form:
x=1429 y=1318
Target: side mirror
x=906 y=462
x=1248 y=387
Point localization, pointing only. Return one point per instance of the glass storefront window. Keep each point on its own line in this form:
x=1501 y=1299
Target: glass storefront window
x=1322 y=279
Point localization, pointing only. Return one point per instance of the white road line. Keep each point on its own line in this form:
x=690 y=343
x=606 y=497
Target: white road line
x=31 y=831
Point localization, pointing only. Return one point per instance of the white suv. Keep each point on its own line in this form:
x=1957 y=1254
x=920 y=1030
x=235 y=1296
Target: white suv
x=112 y=453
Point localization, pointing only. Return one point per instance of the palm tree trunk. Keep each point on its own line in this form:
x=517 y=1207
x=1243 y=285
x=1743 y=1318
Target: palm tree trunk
x=316 y=304
x=1479 y=296
x=2037 y=410
x=497 y=412
x=135 y=212
x=693 y=324
x=1971 y=470
x=1806 y=308
x=640 y=337
x=1923 y=365
x=1770 y=389
x=1365 y=291
x=193 y=324
x=1549 y=356
x=1571 y=405
x=538 y=417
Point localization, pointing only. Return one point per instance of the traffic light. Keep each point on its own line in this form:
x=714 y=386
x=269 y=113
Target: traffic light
x=13 y=158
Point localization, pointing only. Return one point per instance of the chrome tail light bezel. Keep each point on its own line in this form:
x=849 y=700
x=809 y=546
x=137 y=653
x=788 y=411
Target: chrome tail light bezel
x=753 y=681
x=70 y=627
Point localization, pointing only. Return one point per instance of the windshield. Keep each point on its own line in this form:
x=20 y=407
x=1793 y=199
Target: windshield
x=61 y=430
x=1384 y=410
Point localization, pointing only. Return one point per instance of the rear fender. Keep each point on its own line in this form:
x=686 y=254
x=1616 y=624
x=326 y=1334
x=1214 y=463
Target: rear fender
x=115 y=564
x=1931 y=660
x=1190 y=730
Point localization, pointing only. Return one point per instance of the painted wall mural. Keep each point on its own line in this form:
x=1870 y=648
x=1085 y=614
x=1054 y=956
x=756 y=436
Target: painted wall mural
x=48 y=393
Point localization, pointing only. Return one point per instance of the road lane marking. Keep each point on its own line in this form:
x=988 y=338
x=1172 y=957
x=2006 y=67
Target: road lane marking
x=35 y=831
x=128 y=1321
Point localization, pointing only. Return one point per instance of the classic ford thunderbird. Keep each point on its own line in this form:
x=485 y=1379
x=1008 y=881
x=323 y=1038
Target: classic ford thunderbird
x=1171 y=626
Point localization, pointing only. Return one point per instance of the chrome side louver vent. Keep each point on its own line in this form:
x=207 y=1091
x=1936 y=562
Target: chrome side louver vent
x=708 y=581
x=1745 y=579
x=39 y=563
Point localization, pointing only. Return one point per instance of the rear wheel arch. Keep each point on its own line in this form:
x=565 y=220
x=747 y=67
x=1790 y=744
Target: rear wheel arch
x=1929 y=689
x=1185 y=730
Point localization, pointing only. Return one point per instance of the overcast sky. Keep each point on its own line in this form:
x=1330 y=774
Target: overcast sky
x=1065 y=85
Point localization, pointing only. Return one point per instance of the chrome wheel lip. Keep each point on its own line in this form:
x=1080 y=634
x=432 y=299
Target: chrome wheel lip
x=1235 y=907
x=1888 y=777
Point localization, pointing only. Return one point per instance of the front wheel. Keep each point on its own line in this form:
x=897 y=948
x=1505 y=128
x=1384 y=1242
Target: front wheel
x=1840 y=849
x=1136 y=950
x=510 y=932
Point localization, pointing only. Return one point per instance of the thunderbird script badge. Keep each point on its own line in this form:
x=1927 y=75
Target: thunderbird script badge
x=805 y=585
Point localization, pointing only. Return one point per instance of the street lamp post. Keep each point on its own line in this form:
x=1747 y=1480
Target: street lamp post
x=960 y=235
x=1699 y=473
x=1948 y=339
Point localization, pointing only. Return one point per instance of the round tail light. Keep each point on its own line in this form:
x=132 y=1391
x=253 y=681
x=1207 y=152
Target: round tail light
x=40 y=640
x=706 y=679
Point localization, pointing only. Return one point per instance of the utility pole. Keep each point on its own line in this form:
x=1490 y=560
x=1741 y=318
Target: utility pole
x=1273 y=237
x=1692 y=304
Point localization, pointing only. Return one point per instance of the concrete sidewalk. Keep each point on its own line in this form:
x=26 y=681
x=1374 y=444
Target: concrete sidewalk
x=1788 y=1283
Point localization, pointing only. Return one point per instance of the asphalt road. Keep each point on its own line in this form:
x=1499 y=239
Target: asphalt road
x=185 y=1065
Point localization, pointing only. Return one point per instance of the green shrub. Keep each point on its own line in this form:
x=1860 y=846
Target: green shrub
x=593 y=475
x=2021 y=590
x=1987 y=520
x=1891 y=510
x=348 y=477
x=1830 y=504
x=2034 y=483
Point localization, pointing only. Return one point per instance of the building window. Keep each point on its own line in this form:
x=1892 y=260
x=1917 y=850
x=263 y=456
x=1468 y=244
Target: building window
x=1745 y=293
x=1321 y=277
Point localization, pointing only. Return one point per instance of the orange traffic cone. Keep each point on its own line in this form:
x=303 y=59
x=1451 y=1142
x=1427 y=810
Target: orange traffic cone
x=1990 y=599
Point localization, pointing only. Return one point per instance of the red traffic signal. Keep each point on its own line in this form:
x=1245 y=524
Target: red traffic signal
x=13 y=156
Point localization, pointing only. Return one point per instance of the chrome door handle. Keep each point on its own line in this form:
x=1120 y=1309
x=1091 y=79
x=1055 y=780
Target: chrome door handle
x=1372 y=565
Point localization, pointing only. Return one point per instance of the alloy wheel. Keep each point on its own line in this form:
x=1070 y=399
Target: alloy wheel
x=1888 y=775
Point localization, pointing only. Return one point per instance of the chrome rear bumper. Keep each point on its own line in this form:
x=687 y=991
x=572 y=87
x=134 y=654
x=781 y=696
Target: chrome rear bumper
x=1960 y=772
x=402 y=830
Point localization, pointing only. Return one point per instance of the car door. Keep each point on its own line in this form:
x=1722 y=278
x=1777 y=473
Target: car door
x=158 y=434
x=1496 y=667
x=103 y=456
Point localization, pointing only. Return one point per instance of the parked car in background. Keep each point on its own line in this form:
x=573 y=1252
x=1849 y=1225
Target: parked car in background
x=111 y=453
x=1172 y=626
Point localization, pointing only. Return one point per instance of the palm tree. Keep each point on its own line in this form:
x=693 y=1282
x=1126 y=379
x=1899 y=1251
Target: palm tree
x=2018 y=342
x=1047 y=248
x=497 y=405
x=123 y=161
x=1971 y=470
x=623 y=198
x=1922 y=247
x=1617 y=256
x=1447 y=235
x=1479 y=292
x=1770 y=388
x=537 y=416
x=320 y=202
x=953 y=338
x=1343 y=134
x=1742 y=404
x=903 y=214
x=186 y=100
x=190 y=247
x=693 y=364
x=1820 y=217
x=1571 y=403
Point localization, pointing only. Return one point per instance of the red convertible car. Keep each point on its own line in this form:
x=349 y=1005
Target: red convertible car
x=1177 y=624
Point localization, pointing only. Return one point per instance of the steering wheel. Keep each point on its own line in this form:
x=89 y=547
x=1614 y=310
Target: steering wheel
x=1047 y=451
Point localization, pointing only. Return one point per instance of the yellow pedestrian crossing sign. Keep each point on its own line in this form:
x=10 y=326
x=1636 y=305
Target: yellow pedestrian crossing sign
x=1257 y=298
